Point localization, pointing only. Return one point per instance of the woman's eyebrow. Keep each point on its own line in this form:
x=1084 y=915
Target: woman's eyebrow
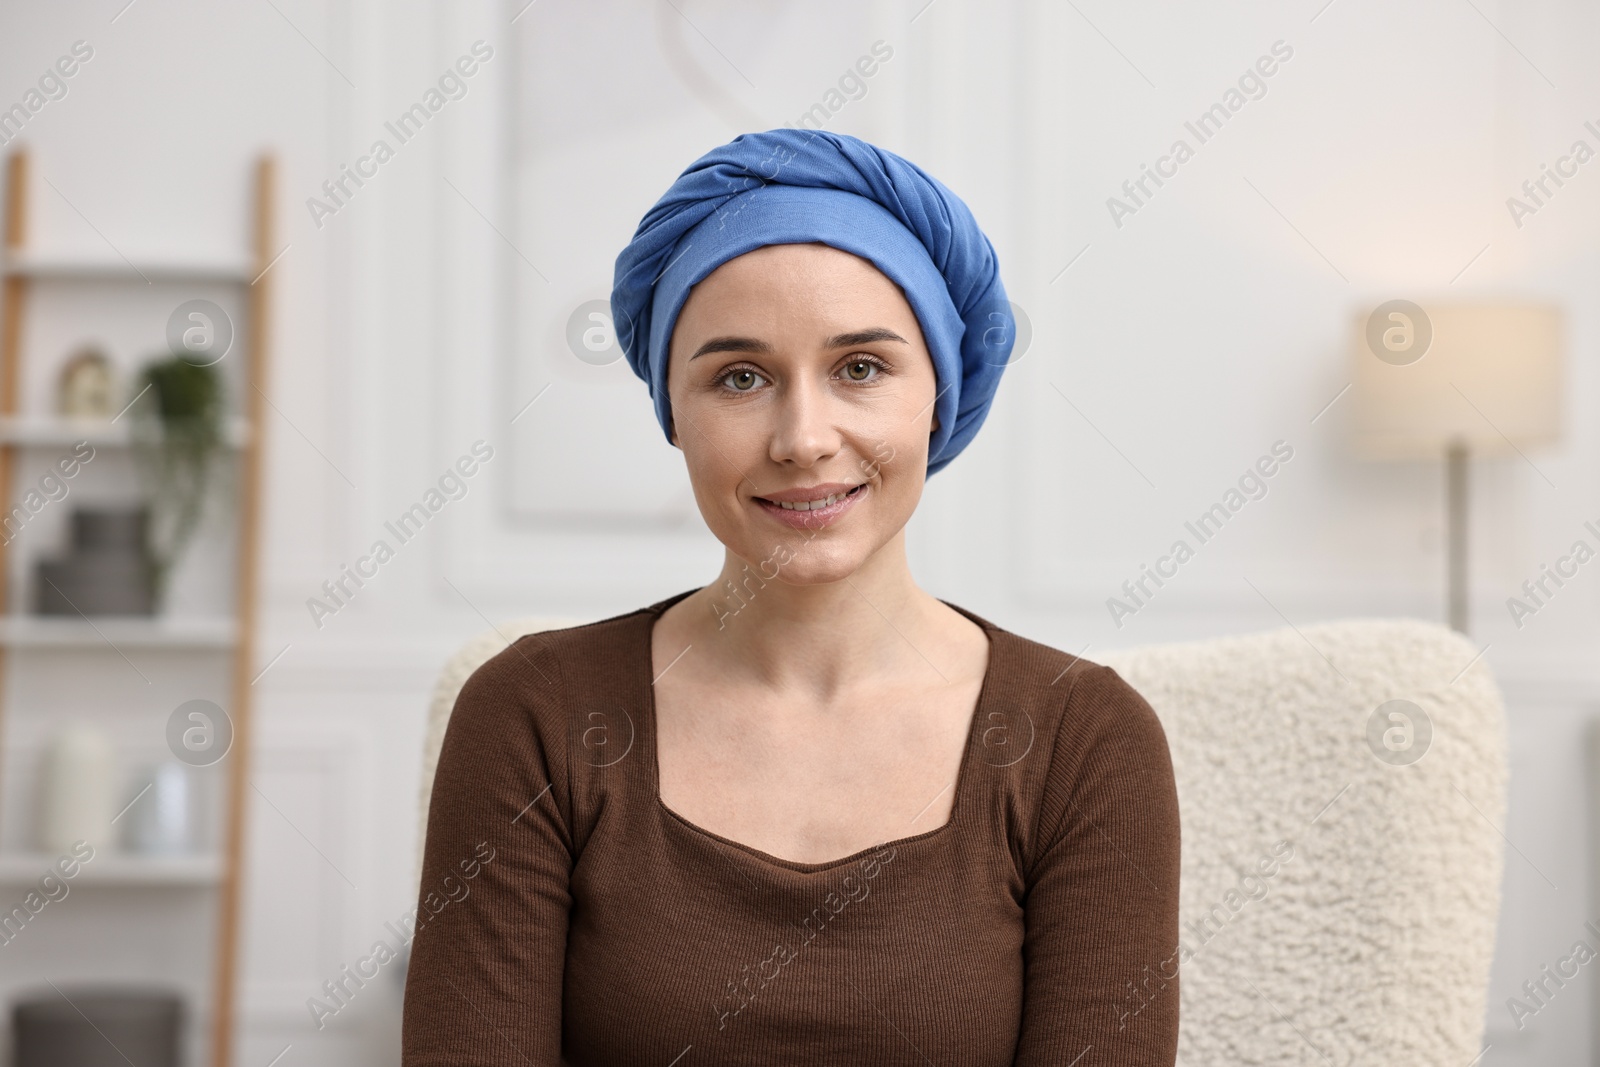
x=864 y=337
x=731 y=344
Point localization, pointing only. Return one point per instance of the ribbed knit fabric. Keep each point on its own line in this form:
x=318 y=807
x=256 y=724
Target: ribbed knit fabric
x=1038 y=926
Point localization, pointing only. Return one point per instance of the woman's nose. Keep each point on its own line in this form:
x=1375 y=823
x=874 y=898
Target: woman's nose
x=804 y=430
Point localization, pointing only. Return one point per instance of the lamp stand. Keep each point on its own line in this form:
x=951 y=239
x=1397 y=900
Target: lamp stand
x=1455 y=482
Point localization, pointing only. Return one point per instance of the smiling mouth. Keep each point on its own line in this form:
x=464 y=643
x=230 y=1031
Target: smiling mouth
x=812 y=505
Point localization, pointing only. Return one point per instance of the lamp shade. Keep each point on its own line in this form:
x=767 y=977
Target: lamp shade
x=1486 y=376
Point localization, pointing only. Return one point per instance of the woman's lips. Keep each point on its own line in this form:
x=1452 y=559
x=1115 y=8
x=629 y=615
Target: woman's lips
x=816 y=516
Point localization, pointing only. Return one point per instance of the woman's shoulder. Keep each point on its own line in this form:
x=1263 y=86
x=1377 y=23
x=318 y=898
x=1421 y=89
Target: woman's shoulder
x=565 y=662
x=1068 y=697
x=1082 y=740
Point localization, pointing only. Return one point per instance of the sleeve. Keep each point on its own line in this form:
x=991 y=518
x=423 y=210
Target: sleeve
x=1100 y=948
x=488 y=958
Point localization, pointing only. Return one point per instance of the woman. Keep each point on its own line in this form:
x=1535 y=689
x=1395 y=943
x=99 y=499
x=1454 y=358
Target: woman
x=808 y=813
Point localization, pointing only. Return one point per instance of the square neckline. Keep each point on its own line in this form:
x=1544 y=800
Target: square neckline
x=653 y=613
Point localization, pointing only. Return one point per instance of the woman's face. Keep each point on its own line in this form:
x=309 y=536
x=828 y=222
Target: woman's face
x=798 y=376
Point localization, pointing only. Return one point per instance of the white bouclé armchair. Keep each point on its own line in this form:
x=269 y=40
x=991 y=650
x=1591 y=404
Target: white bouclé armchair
x=1371 y=939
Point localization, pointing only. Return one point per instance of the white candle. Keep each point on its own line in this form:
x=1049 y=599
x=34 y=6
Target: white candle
x=75 y=795
x=160 y=820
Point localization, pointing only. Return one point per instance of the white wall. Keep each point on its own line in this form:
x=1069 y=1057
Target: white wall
x=1171 y=353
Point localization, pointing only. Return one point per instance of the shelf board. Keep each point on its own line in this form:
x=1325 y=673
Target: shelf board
x=55 y=432
x=152 y=269
x=111 y=632
x=116 y=868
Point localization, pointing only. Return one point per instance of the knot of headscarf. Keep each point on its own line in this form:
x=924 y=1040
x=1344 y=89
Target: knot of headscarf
x=791 y=186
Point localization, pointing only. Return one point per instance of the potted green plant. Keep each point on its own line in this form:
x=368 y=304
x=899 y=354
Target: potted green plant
x=177 y=436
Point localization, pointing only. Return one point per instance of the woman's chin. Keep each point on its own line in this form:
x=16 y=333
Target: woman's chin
x=796 y=561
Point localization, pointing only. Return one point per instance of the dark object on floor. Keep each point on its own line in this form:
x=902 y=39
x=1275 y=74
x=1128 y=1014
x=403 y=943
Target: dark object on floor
x=107 y=570
x=97 y=1027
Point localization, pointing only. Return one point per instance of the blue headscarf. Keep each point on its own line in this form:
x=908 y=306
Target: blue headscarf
x=791 y=186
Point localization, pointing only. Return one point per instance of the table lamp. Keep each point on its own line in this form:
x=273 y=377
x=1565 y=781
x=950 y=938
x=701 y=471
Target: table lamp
x=1454 y=380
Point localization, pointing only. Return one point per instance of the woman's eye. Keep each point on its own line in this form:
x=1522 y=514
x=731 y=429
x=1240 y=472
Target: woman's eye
x=860 y=370
x=742 y=380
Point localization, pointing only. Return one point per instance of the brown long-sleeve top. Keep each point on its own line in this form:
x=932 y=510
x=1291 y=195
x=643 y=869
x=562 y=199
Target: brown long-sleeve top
x=568 y=917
